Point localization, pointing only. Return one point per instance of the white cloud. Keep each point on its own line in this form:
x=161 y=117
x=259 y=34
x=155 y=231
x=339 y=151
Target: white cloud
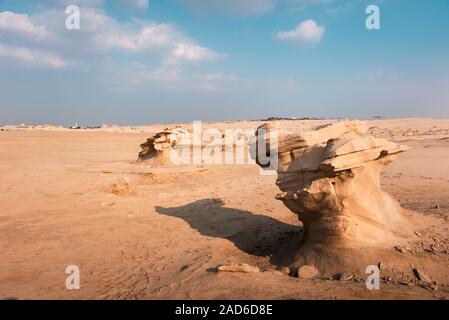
x=99 y=34
x=20 y=24
x=307 y=32
x=32 y=57
x=126 y=55
x=191 y=52
x=137 y=38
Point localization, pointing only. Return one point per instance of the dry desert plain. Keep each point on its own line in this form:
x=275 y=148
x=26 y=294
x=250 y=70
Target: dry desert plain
x=139 y=231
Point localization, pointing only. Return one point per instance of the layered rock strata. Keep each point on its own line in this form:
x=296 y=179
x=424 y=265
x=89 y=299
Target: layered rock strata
x=330 y=177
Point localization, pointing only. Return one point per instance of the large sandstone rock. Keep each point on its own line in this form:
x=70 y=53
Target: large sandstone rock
x=329 y=177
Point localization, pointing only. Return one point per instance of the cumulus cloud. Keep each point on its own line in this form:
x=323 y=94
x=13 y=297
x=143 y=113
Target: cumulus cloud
x=125 y=55
x=307 y=32
x=191 y=52
x=17 y=23
x=32 y=57
x=99 y=34
x=137 y=37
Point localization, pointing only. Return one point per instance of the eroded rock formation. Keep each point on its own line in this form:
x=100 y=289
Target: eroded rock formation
x=330 y=177
x=182 y=146
x=158 y=147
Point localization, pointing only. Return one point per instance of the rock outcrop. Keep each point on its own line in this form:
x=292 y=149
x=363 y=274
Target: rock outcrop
x=182 y=146
x=157 y=148
x=330 y=177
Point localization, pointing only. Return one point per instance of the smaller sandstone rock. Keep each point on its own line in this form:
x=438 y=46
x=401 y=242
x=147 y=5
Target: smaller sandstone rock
x=346 y=276
x=433 y=286
x=285 y=270
x=161 y=143
x=121 y=187
x=401 y=249
x=242 y=267
x=430 y=286
x=307 y=272
x=421 y=275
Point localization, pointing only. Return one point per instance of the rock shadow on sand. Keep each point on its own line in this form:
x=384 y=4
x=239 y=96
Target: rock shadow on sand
x=252 y=233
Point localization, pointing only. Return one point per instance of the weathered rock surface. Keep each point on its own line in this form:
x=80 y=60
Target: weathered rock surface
x=242 y=267
x=159 y=145
x=307 y=272
x=421 y=275
x=346 y=276
x=330 y=177
x=191 y=146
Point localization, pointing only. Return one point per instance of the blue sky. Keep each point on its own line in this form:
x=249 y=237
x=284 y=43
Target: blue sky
x=140 y=62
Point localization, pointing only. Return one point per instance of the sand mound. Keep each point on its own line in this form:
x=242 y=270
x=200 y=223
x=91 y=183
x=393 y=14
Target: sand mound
x=329 y=177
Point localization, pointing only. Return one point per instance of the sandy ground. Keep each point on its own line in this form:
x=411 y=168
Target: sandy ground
x=77 y=197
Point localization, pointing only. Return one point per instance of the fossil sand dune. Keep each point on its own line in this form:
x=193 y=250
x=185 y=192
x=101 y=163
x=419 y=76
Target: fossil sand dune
x=330 y=177
x=157 y=148
x=138 y=230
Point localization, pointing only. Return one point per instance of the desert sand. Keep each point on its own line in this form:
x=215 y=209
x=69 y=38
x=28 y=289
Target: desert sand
x=140 y=230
